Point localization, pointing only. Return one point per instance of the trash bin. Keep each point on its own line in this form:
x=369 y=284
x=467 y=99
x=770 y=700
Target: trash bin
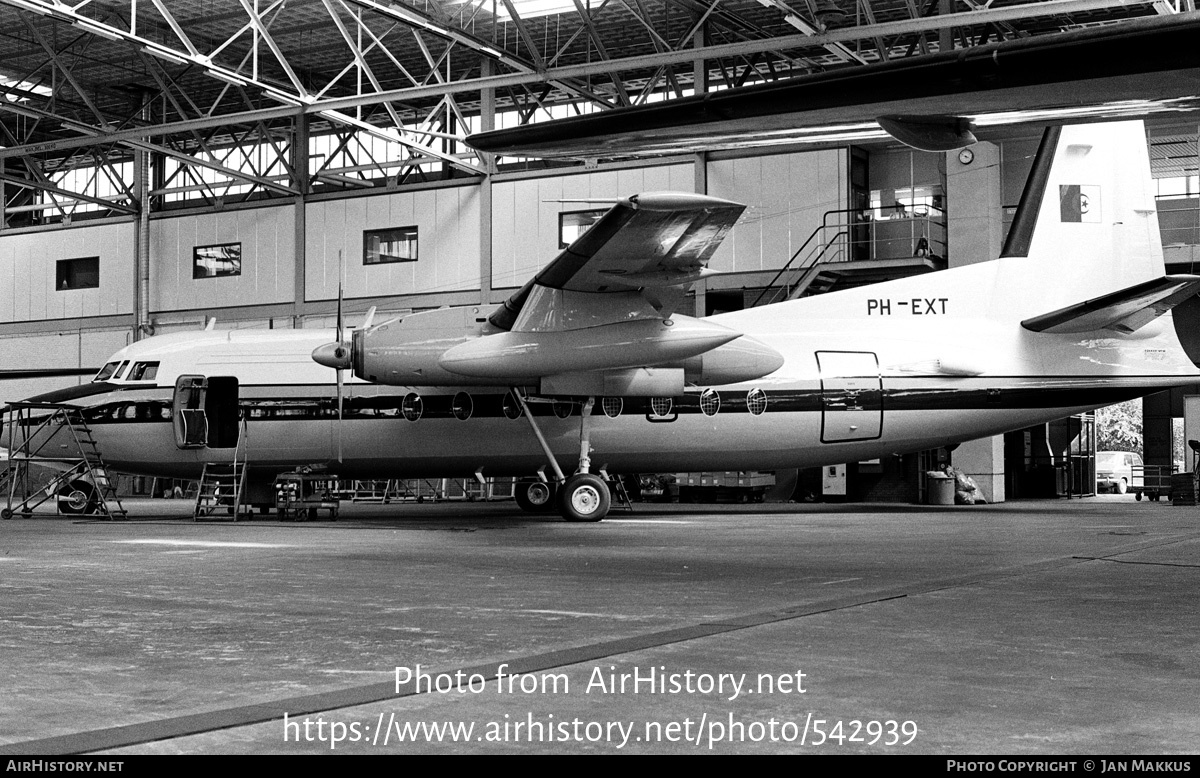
x=941 y=488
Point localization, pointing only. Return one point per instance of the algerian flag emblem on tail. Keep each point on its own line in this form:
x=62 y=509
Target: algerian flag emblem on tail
x=1079 y=203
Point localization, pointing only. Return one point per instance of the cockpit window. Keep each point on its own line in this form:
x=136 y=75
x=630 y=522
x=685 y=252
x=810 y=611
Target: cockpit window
x=120 y=369
x=143 y=371
x=106 y=372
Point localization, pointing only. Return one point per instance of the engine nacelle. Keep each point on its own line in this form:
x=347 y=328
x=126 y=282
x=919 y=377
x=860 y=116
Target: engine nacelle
x=405 y=352
x=506 y=356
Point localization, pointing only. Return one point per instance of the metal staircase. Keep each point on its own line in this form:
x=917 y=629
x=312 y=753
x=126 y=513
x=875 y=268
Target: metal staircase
x=847 y=250
x=219 y=495
x=58 y=437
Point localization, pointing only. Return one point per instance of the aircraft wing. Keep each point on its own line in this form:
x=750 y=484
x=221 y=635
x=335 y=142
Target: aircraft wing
x=648 y=247
x=929 y=101
x=1125 y=311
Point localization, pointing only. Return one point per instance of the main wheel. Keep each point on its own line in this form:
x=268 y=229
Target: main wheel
x=584 y=497
x=534 y=496
x=77 y=497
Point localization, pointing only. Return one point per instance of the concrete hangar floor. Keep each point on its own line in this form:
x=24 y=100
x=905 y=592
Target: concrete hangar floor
x=1021 y=628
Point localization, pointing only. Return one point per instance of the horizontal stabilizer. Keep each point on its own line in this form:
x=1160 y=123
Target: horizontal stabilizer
x=1124 y=311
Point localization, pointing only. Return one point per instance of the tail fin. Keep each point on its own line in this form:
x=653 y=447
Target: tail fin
x=1087 y=224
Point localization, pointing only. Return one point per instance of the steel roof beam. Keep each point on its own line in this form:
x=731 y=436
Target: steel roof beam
x=330 y=106
x=66 y=193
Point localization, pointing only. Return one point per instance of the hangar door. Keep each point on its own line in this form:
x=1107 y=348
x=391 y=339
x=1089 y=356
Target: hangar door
x=851 y=396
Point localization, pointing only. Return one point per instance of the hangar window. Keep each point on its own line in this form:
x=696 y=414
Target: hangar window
x=572 y=224
x=462 y=406
x=398 y=244
x=223 y=259
x=661 y=405
x=82 y=273
x=412 y=407
x=562 y=408
x=710 y=402
x=512 y=408
x=612 y=406
x=756 y=401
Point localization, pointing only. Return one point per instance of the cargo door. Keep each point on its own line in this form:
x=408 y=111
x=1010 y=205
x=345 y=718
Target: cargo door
x=851 y=396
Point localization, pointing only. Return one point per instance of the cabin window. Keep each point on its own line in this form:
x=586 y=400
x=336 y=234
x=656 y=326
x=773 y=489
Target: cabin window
x=562 y=408
x=106 y=371
x=398 y=244
x=82 y=273
x=413 y=406
x=572 y=224
x=710 y=402
x=462 y=406
x=512 y=408
x=223 y=259
x=756 y=401
x=612 y=406
x=143 y=371
x=661 y=405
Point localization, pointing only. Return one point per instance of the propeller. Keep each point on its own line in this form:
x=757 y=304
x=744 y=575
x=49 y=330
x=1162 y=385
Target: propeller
x=339 y=355
x=343 y=354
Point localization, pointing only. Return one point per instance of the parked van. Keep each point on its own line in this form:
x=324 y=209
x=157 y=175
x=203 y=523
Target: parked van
x=1115 y=471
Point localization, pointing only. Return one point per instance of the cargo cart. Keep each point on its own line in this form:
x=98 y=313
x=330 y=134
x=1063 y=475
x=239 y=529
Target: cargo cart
x=300 y=496
x=1151 y=480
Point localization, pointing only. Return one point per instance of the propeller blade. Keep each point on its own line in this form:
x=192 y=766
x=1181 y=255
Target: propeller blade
x=340 y=324
x=340 y=383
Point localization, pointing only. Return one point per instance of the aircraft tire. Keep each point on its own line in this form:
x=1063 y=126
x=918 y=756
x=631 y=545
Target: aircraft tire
x=78 y=497
x=535 y=496
x=6 y=514
x=584 y=497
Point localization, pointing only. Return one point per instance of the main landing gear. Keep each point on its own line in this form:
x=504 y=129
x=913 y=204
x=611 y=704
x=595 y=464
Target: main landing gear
x=581 y=497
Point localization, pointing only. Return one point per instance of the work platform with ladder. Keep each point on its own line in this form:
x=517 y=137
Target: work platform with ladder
x=57 y=438
x=222 y=484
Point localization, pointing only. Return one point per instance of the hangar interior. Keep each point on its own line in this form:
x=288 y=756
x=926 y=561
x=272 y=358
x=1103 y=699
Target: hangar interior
x=170 y=163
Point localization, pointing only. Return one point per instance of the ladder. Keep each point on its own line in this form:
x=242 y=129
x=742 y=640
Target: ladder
x=620 y=495
x=219 y=496
x=58 y=436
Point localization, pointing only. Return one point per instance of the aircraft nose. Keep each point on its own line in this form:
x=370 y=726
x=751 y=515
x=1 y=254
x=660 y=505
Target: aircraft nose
x=335 y=355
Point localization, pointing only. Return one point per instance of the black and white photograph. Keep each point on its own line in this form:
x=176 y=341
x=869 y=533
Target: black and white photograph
x=600 y=377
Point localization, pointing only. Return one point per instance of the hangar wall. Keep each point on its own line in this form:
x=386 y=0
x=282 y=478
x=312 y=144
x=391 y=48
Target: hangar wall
x=786 y=196
x=267 y=239
x=28 y=263
x=447 y=221
x=525 y=211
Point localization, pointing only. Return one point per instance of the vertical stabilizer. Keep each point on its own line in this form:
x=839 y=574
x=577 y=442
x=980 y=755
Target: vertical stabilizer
x=1087 y=224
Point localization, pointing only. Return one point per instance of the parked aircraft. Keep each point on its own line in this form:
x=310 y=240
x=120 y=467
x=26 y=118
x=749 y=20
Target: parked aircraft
x=589 y=369
x=935 y=101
